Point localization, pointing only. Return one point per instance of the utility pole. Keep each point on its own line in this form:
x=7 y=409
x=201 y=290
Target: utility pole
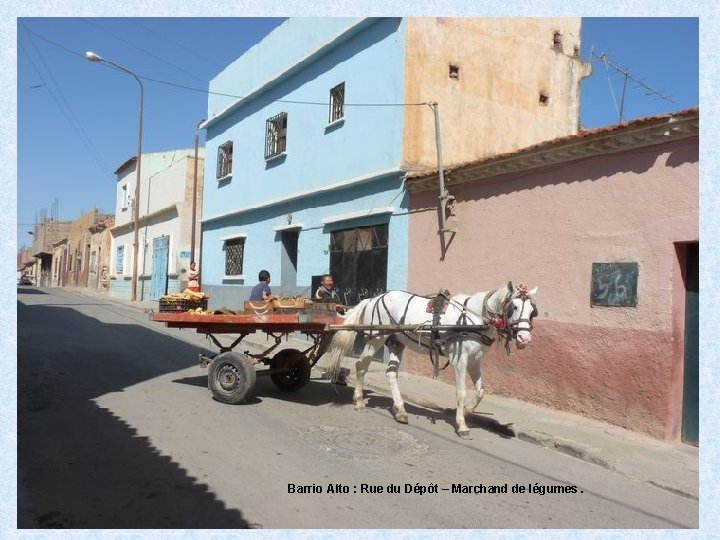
x=194 y=200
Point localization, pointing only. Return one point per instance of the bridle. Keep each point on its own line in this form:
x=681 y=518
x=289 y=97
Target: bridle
x=501 y=320
x=515 y=326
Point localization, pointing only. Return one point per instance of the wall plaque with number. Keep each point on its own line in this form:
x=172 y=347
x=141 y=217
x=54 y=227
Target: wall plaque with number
x=614 y=284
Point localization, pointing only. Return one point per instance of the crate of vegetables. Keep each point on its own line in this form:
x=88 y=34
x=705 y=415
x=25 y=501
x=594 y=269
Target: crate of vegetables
x=184 y=301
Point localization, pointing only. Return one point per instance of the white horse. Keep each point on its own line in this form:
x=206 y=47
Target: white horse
x=507 y=312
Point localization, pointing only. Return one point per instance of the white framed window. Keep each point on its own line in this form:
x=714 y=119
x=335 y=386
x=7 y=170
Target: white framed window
x=224 y=160
x=337 y=103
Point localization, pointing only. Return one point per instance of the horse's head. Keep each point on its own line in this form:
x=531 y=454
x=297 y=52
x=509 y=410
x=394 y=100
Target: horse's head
x=520 y=310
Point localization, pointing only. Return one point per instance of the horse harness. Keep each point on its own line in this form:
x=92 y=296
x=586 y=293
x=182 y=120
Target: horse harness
x=437 y=305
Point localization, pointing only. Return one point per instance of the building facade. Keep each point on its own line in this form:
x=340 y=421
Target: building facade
x=100 y=249
x=45 y=234
x=78 y=258
x=606 y=224
x=165 y=223
x=308 y=166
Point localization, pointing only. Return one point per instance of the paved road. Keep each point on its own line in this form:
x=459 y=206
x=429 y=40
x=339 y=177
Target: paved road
x=117 y=429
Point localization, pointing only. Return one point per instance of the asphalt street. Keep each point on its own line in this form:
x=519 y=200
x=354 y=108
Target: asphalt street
x=117 y=429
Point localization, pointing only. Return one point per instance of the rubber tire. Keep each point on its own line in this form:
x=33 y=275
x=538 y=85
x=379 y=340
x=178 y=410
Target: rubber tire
x=231 y=378
x=300 y=374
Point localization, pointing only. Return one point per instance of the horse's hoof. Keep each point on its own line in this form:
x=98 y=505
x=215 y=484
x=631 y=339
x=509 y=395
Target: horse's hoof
x=465 y=434
x=467 y=411
x=360 y=407
x=400 y=415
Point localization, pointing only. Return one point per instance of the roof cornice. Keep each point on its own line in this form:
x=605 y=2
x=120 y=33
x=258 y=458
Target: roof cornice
x=636 y=134
x=130 y=225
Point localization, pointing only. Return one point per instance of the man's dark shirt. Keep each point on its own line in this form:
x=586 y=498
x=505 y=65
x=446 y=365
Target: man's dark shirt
x=327 y=294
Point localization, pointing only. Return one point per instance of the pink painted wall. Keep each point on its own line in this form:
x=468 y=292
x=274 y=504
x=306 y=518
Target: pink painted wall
x=546 y=228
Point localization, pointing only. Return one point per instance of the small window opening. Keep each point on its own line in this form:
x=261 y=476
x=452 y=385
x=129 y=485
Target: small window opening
x=557 y=40
x=543 y=99
x=337 y=103
x=454 y=72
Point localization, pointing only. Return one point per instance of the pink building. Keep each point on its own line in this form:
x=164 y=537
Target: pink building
x=566 y=215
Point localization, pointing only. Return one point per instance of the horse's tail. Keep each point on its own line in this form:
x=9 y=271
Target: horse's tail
x=343 y=340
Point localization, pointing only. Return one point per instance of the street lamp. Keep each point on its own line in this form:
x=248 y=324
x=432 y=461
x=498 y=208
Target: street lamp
x=97 y=58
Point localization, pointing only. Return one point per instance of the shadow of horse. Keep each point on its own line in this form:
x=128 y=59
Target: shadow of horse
x=478 y=420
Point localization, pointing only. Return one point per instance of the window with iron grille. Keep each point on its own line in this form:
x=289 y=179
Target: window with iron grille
x=358 y=262
x=275 y=135
x=337 y=103
x=119 y=259
x=234 y=252
x=224 y=162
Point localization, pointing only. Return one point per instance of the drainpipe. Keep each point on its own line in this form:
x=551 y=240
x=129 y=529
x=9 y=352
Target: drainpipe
x=444 y=195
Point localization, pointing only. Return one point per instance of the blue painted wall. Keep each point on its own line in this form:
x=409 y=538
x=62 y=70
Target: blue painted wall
x=263 y=245
x=362 y=154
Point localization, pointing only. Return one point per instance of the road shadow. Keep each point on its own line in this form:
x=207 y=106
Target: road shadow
x=29 y=290
x=82 y=466
x=315 y=393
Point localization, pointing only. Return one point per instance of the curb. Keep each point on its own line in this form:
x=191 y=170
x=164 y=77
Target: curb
x=567 y=447
x=571 y=448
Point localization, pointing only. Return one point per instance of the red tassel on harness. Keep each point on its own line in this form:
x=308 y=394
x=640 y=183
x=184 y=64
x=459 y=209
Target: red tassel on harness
x=498 y=323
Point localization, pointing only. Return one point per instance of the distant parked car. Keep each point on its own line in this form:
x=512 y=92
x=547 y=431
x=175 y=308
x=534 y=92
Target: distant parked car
x=25 y=280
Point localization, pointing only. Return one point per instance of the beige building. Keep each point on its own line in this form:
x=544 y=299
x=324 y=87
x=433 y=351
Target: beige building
x=46 y=233
x=59 y=263
x=100 y=246
x=79 y=235
x=501 y=84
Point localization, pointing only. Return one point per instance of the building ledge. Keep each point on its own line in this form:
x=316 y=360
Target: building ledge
x=636 y=134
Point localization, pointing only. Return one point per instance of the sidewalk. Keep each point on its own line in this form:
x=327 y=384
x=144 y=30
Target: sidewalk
x=670 y=466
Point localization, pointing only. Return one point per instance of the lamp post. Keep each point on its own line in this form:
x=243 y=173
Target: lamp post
x=97 y=58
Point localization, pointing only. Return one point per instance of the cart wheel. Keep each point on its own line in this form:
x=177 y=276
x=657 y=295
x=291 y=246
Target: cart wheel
x=231 y=378
x=299 y=370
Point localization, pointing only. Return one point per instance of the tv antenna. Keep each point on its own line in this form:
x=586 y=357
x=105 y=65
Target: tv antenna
x=627 y=76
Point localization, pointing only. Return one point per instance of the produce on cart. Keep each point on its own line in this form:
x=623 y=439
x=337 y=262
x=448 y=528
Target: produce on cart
x=184 y=301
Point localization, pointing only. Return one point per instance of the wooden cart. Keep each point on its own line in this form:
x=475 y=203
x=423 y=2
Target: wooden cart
x=232 y=375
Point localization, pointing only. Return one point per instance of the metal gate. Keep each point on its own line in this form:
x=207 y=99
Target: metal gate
x=158 y=285
x=358 y=262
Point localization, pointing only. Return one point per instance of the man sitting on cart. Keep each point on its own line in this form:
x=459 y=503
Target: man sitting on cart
x=326 y=292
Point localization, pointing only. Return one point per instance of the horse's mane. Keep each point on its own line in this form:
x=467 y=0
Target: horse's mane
x=494 y=299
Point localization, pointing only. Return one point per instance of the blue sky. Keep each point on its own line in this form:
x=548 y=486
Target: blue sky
x=77 y=120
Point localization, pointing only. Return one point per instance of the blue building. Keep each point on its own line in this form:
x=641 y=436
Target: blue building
x=312 y=154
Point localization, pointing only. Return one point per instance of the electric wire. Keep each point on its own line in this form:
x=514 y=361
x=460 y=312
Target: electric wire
x=222 y=94
x=296 y=102
x=176 y=43
x=65 y=109
x=151 y=54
